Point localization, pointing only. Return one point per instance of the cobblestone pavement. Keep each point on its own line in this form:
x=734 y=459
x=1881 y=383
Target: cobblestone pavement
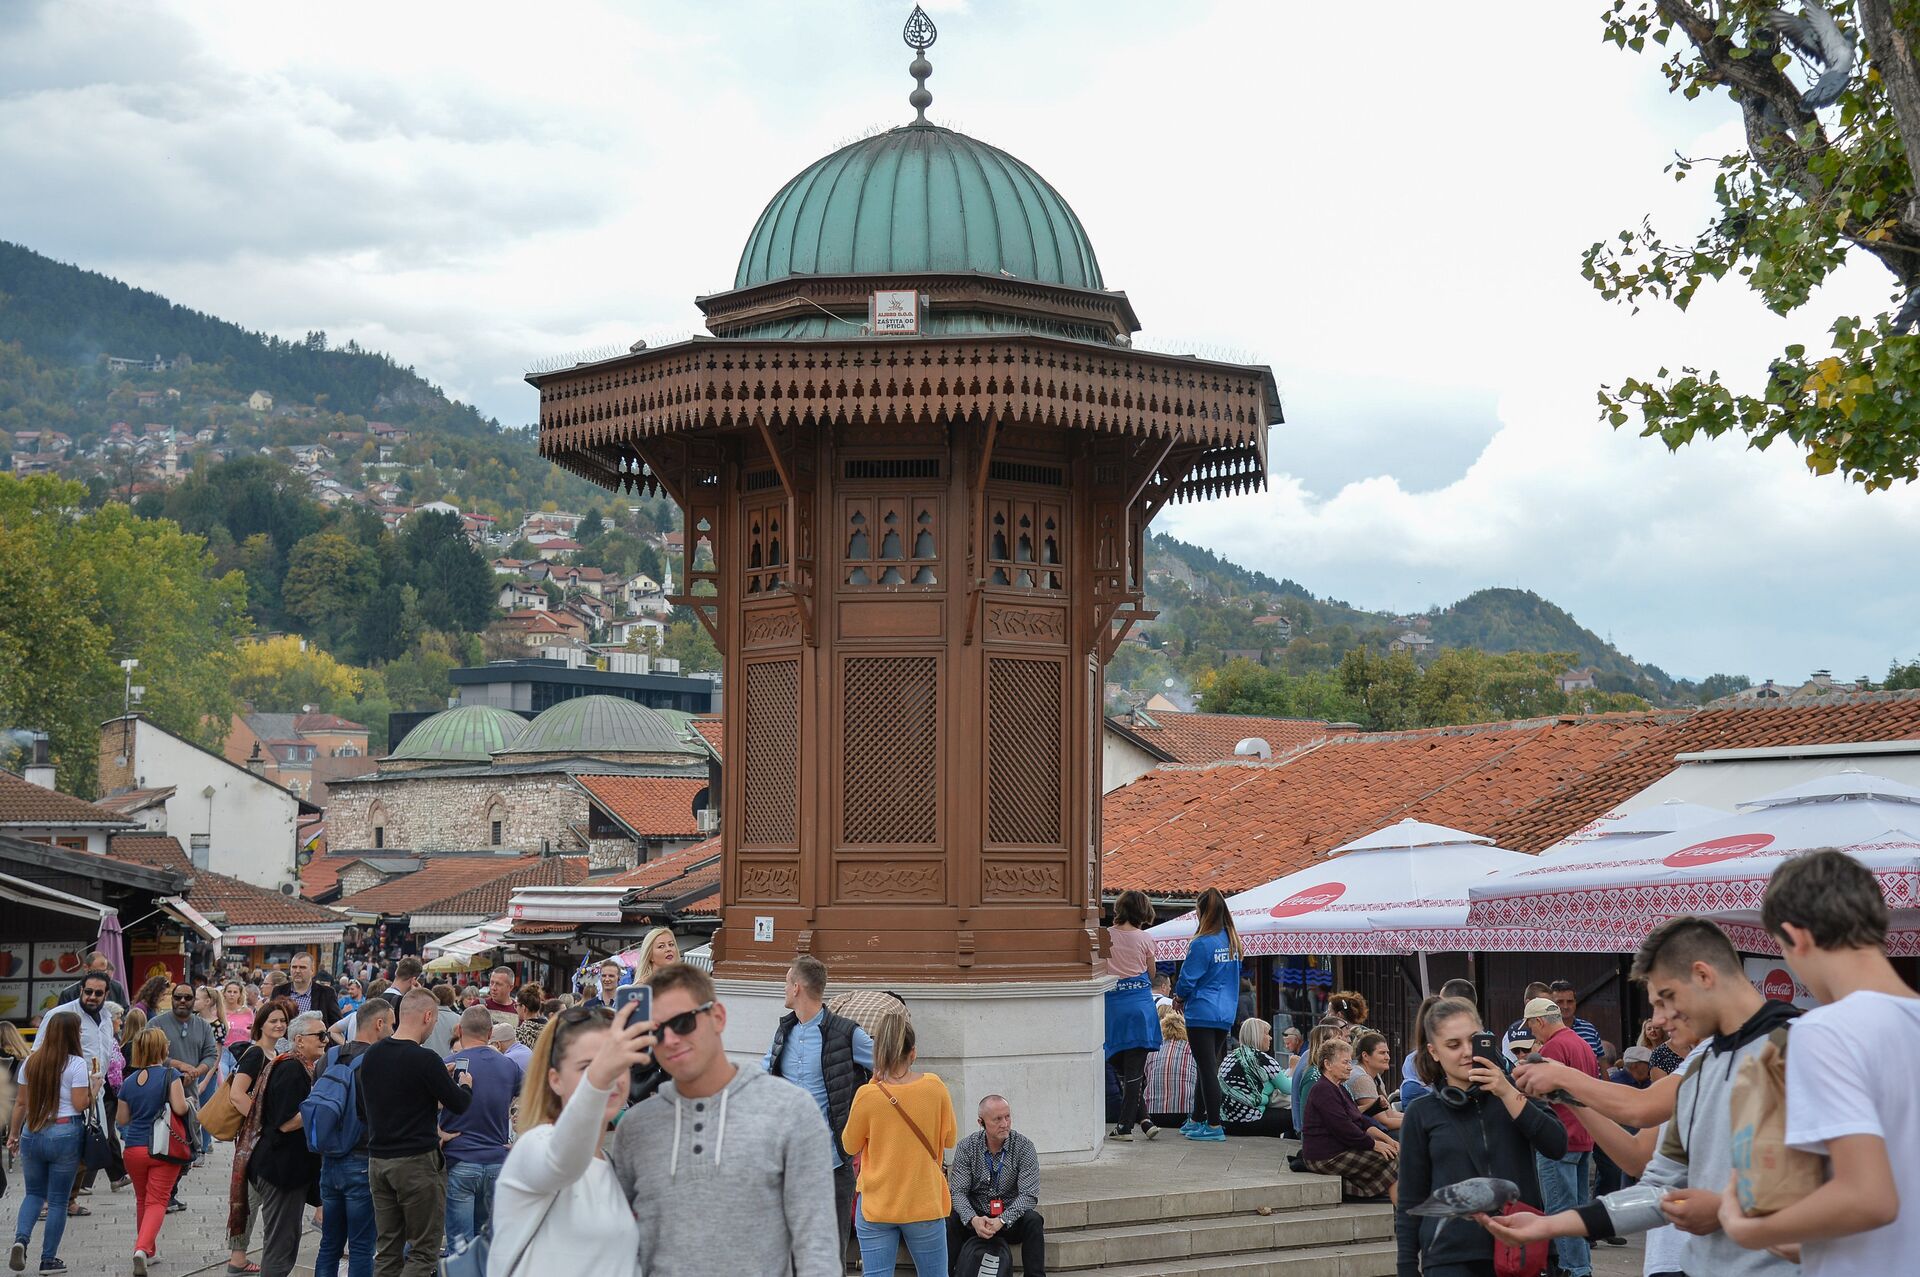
x=192 y=1242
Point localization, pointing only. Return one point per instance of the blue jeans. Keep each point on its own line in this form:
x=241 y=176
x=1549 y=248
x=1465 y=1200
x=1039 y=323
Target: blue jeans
x=346 y=1218
x=1563 y=1184
x=49 y=1159
x=880 y=1245
x=469 y=1202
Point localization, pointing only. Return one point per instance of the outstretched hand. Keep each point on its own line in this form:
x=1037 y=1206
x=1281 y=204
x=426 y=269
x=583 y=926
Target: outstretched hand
x=627 y=1043
x=1542 y=1078
x=1519 y=1229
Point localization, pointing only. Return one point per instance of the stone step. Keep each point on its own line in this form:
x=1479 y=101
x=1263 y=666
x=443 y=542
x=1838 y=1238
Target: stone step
x=1364 y=1259
x=1293 y=1193
x=1173 y=1240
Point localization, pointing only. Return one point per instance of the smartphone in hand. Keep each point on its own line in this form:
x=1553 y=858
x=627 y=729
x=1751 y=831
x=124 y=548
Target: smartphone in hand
x=640 y=995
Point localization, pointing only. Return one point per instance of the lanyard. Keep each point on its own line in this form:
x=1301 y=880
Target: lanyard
x=994 y=1166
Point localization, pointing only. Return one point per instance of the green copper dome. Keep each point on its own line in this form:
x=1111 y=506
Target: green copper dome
x=599 y=725
x=464 y=734
x=919 y=198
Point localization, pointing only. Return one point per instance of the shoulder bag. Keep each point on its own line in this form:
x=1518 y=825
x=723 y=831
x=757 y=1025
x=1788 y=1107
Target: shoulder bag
x=471 y=1259
x=173 y=1139
x=913 y=1126
x=218 y=1115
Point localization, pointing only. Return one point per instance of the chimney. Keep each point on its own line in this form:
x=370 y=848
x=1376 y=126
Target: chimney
x=256 y=764
x=39 y=768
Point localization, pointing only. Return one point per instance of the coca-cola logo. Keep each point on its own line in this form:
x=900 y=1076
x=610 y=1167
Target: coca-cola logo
x=1730 y=848
x=1308 y=900
x=1777 y=986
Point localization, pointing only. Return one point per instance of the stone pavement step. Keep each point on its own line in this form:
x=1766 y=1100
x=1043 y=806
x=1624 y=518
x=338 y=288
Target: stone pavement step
x=1292 y=1193
x=1369 y=1259
x=1174 y=1239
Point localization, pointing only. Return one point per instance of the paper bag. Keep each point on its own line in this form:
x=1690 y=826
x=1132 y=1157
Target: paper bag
x=1767 y=1175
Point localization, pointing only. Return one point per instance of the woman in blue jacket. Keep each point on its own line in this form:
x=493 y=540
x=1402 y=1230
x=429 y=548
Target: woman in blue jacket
x=1208 y=994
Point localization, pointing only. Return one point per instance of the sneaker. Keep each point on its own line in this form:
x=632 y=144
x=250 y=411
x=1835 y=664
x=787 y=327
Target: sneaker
x=53 y=1265
x=1149 y=1130
x=1189 y=1126
x=139 y=1263
x=1121 y=1133
x=17 y=1258
x=1206 y=1132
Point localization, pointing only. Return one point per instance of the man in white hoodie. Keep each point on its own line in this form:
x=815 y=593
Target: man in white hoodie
x=727 y=1168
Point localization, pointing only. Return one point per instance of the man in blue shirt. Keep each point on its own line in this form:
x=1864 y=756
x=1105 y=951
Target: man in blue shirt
x=1568 y=998
x=478 y=1147
x=829 y=1057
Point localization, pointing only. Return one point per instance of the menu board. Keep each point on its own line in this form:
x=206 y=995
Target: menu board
x=54 y=959
x=13 y=960
x=14 y=996
x=46 y=994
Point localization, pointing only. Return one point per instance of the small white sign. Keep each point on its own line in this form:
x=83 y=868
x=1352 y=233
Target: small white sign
x=763 y=930
x=896 y=312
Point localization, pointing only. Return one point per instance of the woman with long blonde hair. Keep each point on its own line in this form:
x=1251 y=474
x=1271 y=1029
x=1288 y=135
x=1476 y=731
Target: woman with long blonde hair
x=557 y=1182
x=1208 y=995
x=903 y=1187
x=658 y=949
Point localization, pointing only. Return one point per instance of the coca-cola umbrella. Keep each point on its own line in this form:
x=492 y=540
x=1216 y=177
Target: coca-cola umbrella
x=1402 y=889
x=1616 y=829
x=1606 y=899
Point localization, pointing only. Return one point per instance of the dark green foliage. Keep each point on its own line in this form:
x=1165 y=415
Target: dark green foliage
x=1714 y=686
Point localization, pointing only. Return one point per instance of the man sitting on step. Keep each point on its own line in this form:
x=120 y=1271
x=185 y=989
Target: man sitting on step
x=995 y=1182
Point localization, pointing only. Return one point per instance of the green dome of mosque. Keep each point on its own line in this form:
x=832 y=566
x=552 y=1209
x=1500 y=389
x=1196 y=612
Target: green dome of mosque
x=600 y=725
x=919 y=198
x=463 y=734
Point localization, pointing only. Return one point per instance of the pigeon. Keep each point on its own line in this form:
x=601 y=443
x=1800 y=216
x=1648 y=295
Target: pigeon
x=1909 y=313
x=1466 y=1198
x=1817 y=37
x=1560 y=1095
x=1469 y=1197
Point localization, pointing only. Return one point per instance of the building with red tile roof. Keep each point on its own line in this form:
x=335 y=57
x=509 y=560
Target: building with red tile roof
x=1207 y=738
x=1526 y=785
x=657 y=812
x=39 y=814
x=436 y=878
x=708 y=726
x=489 y=899
x=156 y=851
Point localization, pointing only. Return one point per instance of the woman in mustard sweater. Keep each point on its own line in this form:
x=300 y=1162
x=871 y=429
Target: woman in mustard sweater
x=897 y=1126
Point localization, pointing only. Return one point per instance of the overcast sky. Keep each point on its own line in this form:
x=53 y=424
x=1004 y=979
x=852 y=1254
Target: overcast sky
x=1387 y=204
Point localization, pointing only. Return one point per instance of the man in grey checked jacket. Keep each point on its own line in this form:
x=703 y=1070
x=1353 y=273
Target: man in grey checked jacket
x=995 y=1181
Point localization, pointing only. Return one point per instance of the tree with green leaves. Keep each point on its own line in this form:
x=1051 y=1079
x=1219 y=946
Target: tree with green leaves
x=1830 y=101
x=1714 y=686
x=457 y=590
x=329 y=580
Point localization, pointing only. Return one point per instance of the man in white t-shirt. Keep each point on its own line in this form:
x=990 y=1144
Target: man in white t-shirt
x=1849 y=1098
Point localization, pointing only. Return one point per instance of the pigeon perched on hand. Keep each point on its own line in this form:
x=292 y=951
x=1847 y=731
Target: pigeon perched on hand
x=1465 y=1199
x=1469 y=1197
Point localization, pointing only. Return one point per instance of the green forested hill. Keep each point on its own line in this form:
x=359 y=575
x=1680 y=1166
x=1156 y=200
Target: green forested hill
x=1502 y=620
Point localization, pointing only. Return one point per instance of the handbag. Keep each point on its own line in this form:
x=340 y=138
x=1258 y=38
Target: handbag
x=470 y=1260
x=912 y=1125
x=96 y=1148
x=219 y=1117
x=1527 y=1259
x=172 y=1140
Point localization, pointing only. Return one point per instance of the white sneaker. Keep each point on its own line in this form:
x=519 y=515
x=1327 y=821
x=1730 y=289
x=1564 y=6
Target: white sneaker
x=139 y=1263
x=17 y=1258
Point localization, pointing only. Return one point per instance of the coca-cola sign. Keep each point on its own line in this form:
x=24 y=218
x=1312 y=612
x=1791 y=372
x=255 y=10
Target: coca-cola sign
x=1777 y=985
x=1309 y=899
x=1729 y=848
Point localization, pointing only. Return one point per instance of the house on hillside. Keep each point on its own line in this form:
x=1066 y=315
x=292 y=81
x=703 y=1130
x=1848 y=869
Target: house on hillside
x=522 y=596
x=1281 y=627
x=300 y=751
x=1412 y=641
x=540 y=628
x=231 y=819
x=260 y=401
x=1580 y=680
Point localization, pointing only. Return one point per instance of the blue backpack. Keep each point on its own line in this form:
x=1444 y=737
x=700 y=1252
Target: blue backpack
x=331 y=1112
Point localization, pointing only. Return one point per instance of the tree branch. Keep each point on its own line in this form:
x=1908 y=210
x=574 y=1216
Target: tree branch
x=1892 y=56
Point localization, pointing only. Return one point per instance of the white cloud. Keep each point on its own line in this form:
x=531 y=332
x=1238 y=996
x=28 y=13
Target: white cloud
x=1387 y=207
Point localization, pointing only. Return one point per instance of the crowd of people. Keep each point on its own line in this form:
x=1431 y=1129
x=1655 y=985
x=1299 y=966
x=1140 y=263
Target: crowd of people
x=499 y=1130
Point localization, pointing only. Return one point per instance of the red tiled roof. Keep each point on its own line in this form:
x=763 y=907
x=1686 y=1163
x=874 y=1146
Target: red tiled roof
x=709 y=728
x=666 y=868
x=1526 y=785
x=1208 y=738
x=134 y=800
x=491 y=898
x=23 y=803
x=322 y=874
x=326 y=723
x=651 y=806
x=706 y=905
x=438 y=878
x=234 y=903
x=156 y=851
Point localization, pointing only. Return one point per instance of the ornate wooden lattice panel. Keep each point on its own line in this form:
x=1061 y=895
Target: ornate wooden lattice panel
x=890 y=715
x=890 y=540
x=1026 y=544
x=1023 y=751
x=769 y=785
x=763 y=543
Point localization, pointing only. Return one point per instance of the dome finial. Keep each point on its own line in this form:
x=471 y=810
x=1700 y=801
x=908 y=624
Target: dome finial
x=919 y=34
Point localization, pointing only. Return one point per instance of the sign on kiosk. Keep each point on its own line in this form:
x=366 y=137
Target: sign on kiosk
x=1776 y=983
x=894 y=312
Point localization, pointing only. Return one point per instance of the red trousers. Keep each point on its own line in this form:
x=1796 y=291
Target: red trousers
x=153 y=1182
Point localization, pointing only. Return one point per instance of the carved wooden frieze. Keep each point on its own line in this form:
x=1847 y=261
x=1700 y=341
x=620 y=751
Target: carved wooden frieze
x=1026 y=624
x=1015 y=880
x=769 y=881
x=764 y=628
x=897 y=881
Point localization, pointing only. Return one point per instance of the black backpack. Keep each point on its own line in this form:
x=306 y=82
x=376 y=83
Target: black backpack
x=983 y=1257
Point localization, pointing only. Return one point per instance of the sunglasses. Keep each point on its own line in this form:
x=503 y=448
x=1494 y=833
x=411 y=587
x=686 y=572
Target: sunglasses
x=682 y=1025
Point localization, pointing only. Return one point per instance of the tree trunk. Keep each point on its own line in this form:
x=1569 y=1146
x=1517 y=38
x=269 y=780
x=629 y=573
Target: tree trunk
x=1892 y=55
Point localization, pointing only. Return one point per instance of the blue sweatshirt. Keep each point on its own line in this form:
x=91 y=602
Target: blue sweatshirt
x=1209 y=984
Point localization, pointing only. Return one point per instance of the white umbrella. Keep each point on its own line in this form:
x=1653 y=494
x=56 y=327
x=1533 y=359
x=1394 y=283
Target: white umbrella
x=1607 y=898
x=1616 y=829
x=1402 y=889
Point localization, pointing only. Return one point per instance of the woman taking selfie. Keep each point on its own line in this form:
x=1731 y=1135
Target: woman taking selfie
x=557 y=1195
x=1208 y=995
x=1473 y=1125
x=897 y=1126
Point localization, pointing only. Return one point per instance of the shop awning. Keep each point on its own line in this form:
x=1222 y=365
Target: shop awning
x=467 y=942
x=187 y=916
x=267 y=937
x=21 y=891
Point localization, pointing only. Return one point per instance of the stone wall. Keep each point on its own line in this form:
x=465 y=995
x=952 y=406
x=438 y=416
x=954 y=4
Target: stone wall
x=611 y=853
x=358 y=878
x=429 y=813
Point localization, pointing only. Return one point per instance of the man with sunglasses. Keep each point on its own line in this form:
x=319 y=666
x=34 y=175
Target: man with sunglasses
x=191 y=1050
x=723 y=1146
